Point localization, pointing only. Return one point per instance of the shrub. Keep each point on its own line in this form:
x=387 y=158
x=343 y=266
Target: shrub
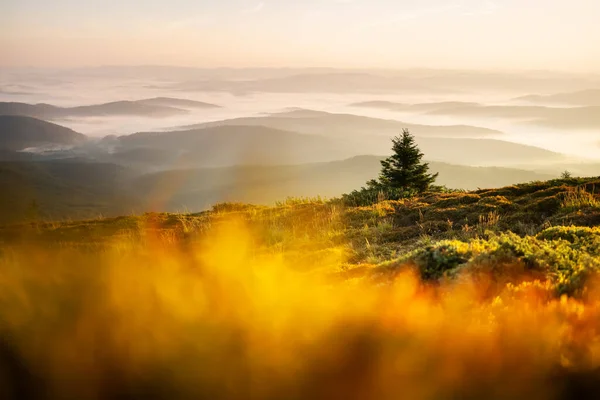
x=566 y=256
x=434 y=261
x=579 y=198
x=232 y=207
x=373 y=195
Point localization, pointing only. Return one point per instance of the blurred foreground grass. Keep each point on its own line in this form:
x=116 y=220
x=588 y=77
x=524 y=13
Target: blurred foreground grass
x=487 y=294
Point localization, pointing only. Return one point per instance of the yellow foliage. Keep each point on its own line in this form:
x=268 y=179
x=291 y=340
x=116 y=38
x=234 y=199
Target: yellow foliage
x=224 y=317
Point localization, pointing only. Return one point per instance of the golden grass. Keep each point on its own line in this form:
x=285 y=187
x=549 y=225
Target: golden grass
x=228 y=317
x=580 y=198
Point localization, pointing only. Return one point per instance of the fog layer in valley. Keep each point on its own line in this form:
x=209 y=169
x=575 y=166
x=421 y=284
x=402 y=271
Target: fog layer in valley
x=227 y=134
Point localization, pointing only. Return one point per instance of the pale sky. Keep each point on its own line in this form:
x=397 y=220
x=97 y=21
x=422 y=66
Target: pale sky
x=491 y=34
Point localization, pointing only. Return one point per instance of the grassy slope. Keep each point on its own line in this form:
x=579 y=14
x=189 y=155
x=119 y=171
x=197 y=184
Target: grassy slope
x=198 y=189
x=58 y=190
x=77 y=189
x=189 y=306
x=20 y=132
x=380 y=234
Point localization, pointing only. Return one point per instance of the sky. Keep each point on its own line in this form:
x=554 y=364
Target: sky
x=475 y=34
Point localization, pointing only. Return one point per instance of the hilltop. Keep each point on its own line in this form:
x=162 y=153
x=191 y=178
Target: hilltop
x=590 y=97
x=298 y=136
x=175 y=102
x=80 y=188
x=346 y=125
x=553 y=117
x=157 y=107
x=371 y=234
x=19 y=133
x=581 y=117
x=65 y=189
x=452 y=279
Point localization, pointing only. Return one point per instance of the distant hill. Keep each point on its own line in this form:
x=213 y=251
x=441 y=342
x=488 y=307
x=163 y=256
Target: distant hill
x=231 y=145
x=484 y=152
x=374 y=81
x=225 y=143
x=19 y=132
x=419 y=107
x=173 y=102
x=198 y=189
x=564 y=118
x=116 y=108
x=76 y=189
x=589 y=97
x=58 y=190
x=318 y=82
x=348 y=125
x=588 y=168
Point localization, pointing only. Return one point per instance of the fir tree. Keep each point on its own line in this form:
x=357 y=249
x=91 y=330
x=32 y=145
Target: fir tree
x=404 y=170
x=566 y=175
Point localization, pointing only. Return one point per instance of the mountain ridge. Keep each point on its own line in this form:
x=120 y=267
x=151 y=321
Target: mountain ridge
x=153 y=107
x=20 y=132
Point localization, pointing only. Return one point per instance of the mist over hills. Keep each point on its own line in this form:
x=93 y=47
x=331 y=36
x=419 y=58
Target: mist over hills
x=230 y=145
x=485 y=152
x=590 y=97
x=295 y=137
x=174 y=102
x=562 y=118
x=254 y=149
x=75 y=189
x=195 y=168
x=155 y=107
x=223 y=145
x=19 y=132
x=194 y=189
x=338 y=80
x=59 y=190
x=584 y=118
x=420 y=107
x=346 y=125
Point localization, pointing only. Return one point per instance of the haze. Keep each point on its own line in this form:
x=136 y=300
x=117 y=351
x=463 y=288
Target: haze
x=165 y=106
x=473 y=34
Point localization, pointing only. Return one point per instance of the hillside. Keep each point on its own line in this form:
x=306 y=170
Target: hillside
x=145 y=108
x=174 y=102
x=347 y=125
x=584 y=117
x=346 y=81
x=485 y=152
x=391 y=227
x=492 y=291
x=356 y=135
x=562 y=118
x=59 y=190
x=589 y=97
x=198 y=189
x=225 y=145
x=18 y=133
x=231 y=145
x=419 y=107
x=76 y=188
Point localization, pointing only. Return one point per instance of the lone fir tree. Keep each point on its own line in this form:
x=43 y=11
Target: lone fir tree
x=404 y=169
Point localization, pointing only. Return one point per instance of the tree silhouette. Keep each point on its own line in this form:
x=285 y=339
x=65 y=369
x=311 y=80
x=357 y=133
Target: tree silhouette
x=566 y=175
x=404 y=169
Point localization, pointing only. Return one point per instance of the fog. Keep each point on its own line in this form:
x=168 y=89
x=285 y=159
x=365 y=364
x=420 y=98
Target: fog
x=74 y=88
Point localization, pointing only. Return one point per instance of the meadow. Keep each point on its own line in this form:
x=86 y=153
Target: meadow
x=484 y=294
